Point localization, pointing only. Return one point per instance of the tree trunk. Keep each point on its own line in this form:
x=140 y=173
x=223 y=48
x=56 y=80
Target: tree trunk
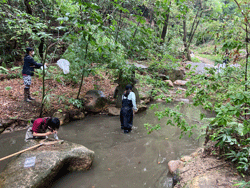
x=28 y=7
x=86 y=52
x=164 y=30
x=186 y=46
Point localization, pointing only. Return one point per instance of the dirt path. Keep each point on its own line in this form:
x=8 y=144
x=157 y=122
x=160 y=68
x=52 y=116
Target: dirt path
x=205 y=60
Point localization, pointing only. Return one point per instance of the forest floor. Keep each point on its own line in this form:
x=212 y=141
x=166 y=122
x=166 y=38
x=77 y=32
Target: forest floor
x=14 y=107
x=206 y=169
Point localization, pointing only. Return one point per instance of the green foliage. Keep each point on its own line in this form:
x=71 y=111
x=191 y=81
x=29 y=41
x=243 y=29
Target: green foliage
x=3 y=70
x=175 y=118
x=195 y=59
x=8 y=88
x=243 y=184
x=76 y=102
x=152 y=128
x=224 y=93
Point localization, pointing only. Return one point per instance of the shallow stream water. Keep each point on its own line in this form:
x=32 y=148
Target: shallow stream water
x=131 y=160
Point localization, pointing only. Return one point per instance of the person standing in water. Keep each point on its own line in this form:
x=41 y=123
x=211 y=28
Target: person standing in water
x=128 y=109
x=28 y=71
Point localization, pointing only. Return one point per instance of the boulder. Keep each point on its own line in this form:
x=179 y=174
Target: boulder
x=61 y=116
x=163 y=76
x=95 y=101
x=78 y=116
x=38 y=167
x=113 y=111
x=174 y=165
x=144 y=95
x=142 y=107
x=1 y=128
x=175 y=74
x=180 y=82
x=145 y=101
x=170 y=83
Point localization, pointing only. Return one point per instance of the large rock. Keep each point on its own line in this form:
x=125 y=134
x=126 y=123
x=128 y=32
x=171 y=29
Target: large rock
x=95 y=101
x=61 y=116
x=175 y=74
x=174 y=165
x=142 y=107
x=49 y=160
x=1 y=128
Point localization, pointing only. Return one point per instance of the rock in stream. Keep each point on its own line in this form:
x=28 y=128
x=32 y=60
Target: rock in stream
x=39 y=167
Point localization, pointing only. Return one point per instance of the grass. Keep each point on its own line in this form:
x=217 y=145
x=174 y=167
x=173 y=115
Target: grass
x=215 y=58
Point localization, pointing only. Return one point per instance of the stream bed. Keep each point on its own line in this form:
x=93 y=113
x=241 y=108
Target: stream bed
x=121 y=160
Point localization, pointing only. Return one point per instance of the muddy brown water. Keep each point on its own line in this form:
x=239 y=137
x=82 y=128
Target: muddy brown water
x=131 y=160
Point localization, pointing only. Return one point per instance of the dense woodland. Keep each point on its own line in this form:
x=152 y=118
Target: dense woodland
x=101 y=35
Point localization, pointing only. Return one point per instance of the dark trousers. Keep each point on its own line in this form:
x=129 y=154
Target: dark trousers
x=126 y=118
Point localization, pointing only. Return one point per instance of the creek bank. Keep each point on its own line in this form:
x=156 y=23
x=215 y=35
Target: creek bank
x=199 y=170
x=48 y=161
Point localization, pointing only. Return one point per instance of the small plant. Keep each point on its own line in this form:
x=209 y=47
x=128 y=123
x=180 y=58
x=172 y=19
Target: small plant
x=195 y=59
x=151 y=128
x=8 y=88
x=15 y=68
x=178 y=91
x=35 y=93
x=76 y=102
x=3 y=70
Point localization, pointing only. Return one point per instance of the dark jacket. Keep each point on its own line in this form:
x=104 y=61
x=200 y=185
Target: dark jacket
x=29 y=65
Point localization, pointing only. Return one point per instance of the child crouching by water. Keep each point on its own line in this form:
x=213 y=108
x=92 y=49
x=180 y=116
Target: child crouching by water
x=40 y=128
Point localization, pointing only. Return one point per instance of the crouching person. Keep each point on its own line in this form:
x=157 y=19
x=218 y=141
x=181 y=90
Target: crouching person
x=42 y=128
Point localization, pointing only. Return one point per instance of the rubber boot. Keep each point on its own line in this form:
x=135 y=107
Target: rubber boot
x=26 y=94
x=29 y=97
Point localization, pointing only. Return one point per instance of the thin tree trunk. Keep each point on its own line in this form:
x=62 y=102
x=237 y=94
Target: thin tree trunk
x=118 y=27
x=186 y=46
x=28 y=7
x=246 y=56
x=164 y=30
x=43 y=96
x=86 y=51
x=246 y=67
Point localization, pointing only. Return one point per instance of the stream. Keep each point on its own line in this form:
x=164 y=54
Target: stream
x=121 y=160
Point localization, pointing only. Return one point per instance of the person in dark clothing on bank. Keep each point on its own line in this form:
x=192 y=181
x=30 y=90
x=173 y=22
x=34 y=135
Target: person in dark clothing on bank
x=28 y=71
x=128 y=109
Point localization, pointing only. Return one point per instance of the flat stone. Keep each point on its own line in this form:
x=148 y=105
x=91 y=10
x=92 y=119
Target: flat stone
x=49 y=160
x=180 y=82
x=113 y=111
x=170 y=83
